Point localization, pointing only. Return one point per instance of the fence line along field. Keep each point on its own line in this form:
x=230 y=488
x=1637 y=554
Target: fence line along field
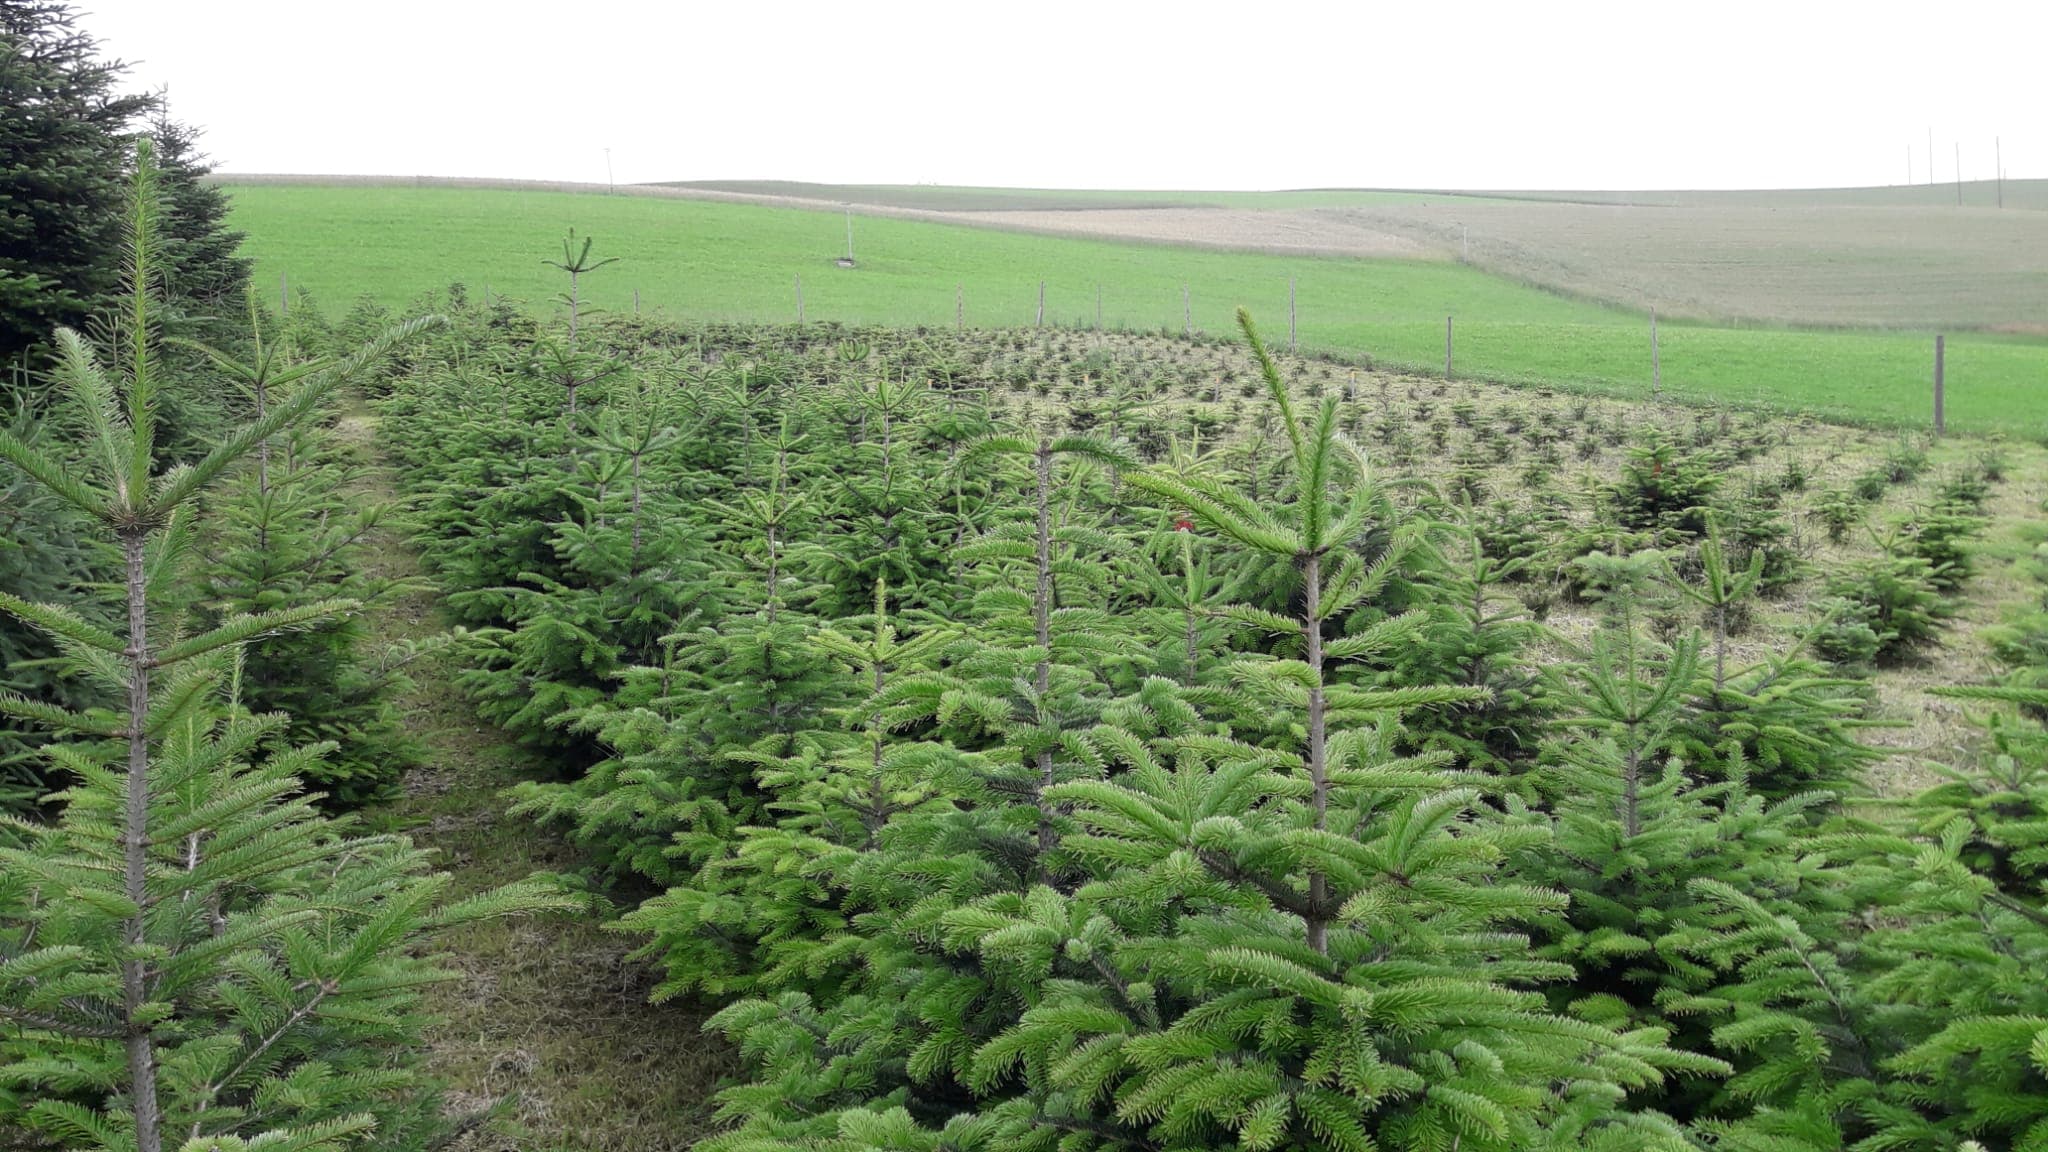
x=713 y=260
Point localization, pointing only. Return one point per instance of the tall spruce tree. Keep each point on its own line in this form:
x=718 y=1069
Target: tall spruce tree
x=206 y=278
x=64 y=125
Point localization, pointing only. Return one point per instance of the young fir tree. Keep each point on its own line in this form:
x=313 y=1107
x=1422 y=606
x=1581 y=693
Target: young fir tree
x=190 y=953
x=729 y=682
x=778 y=908
x=286 y=534
x=1962 y=946
x=1633 y=830
x=1784 y=724
x=49 y=554
x=1479 y=637
x=1057 y=634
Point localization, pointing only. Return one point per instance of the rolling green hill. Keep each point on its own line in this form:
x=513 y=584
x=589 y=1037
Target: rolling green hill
x=700 y=259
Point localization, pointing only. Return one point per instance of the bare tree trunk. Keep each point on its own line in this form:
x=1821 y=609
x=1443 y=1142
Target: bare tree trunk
x=1720 y=646
x=135 y=854
x=1318 y=738
x=1041 y=611
x=574 y=304
x=633 y=564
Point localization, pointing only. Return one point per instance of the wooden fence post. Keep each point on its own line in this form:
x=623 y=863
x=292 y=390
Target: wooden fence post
x=1041 y=303
x=1447 y=347
x=799 y=298
x=636 y=301
x=1187 y=321
x=1940 y=385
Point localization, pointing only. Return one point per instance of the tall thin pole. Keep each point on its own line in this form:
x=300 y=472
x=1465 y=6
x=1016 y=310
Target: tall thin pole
x=1041 y=303
x=1656 y=358
x=849 y=234
x=1940 y=385
x=636 y=301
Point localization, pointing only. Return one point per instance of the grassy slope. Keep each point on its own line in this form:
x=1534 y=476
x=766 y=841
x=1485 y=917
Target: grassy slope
x=735 y=261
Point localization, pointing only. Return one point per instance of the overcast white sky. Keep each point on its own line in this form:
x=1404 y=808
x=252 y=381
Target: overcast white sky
x=1104 y=94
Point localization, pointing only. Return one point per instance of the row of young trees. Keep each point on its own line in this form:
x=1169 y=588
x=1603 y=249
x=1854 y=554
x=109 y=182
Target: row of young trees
x=193 y=953
x=1018 y=791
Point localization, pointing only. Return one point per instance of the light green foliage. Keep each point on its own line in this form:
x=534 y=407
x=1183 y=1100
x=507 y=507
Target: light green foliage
x=1019 y=787
x=189 y=950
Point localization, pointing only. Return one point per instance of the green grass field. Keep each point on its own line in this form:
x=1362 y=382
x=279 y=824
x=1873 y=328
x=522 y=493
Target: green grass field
x=735 y=261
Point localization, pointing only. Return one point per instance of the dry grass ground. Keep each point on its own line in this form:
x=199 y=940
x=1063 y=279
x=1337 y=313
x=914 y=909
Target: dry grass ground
x=549 y=1028
x=1922 y=729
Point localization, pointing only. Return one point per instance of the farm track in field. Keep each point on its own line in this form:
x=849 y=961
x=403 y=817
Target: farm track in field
x=548 y=1041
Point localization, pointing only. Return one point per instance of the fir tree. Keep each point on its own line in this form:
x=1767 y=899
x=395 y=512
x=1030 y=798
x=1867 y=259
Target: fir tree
x=64 y=126
x=190 y=950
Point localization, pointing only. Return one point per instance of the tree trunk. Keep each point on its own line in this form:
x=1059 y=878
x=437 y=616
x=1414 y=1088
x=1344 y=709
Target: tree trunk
x=1041 y=611
x=633 y=564
x=135 y=854
x=1318 y=737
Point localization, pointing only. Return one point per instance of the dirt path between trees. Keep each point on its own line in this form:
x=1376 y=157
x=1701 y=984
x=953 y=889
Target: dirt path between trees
x=548 y=1041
